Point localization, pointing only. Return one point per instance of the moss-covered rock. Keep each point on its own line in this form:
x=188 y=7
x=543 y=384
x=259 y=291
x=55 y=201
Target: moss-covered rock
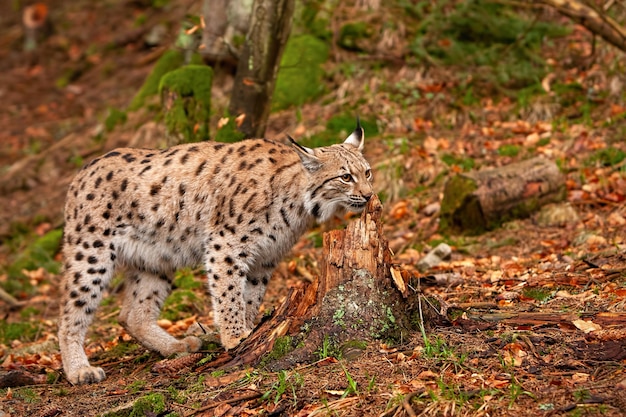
x=186 y=97
x=169 y=61
x=300 y=76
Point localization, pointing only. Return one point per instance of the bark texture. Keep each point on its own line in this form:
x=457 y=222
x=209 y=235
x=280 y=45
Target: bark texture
x=270 y=24
x=224 y=21
x=479 y=201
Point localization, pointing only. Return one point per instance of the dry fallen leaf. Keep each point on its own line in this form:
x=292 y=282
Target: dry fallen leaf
x=586 y=326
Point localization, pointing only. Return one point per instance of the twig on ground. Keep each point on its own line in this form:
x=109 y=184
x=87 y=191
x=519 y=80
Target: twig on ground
x=406 y=403
x=247 y=397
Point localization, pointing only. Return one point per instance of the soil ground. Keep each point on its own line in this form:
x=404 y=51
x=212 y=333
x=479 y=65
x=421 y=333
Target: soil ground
x=535 y=310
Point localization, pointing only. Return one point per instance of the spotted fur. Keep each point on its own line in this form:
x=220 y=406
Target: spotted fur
x=234 y=208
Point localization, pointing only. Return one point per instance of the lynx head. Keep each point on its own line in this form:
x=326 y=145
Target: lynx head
x=340 y=179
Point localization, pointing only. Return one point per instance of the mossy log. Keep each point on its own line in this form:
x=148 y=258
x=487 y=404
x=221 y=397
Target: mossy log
x=351 y=303
x=478 y=201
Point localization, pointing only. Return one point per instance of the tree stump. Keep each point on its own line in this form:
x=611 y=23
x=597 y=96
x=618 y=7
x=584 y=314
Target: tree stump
x=186 y=99
x=353 y=302
x=479 y=201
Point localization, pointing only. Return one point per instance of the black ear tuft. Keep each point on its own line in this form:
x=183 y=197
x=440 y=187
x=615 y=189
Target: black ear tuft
x=307 y=156
x=357 y=138
x=302 y=148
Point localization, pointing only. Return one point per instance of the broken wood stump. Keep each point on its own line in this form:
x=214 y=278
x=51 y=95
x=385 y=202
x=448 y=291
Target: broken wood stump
x=353 y=301
x=478 y=201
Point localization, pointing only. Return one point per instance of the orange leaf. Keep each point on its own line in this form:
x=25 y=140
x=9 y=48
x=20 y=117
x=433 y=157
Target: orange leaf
x=617 y=109
x=399 y=210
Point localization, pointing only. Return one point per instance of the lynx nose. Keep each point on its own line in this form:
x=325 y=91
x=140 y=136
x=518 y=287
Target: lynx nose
x=368 y=196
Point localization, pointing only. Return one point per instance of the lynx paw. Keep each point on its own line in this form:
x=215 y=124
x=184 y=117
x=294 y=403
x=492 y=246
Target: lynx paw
x=231 y=341
x=193 y=343
x=188 y=344
x=86 y=375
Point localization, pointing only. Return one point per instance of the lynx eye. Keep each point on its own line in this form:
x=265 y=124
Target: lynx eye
x=368 y=174
x=346 y=178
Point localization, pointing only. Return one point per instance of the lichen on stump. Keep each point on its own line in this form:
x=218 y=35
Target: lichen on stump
x=478 y=201
x=186 y=99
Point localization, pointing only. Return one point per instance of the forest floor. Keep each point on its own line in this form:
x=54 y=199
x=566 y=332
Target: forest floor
x=535 y=308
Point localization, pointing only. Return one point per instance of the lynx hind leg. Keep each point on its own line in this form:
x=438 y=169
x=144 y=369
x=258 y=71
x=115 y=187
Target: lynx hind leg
x=84 y=280
x=143 y=299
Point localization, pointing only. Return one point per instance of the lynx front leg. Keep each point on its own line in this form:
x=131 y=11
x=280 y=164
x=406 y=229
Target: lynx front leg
x=226 y=279
x=143 y=300
x=256 y=284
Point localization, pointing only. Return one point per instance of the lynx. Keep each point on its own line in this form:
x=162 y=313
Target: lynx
x=236 y=209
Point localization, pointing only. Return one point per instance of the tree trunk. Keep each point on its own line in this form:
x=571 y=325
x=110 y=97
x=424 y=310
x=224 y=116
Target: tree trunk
x=482 y=200
x=270 y=24
x=224 y=20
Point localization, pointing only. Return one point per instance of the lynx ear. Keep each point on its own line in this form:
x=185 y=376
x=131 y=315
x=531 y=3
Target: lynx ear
x=357 y=138
x=309 y=160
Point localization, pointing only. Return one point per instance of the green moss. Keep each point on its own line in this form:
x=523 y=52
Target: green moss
x=185 y=279
x=508 y=150
x=136 y=386
x=300 y=75
x=29 y=395
x=29 y=312
x=312 y=16
x=497 y=38
x=457 y=193
x=121 y=349
x=466 y=163
x=537 y=293
x=607 y=157
x=149 y=405
x=115 y=117
x=352 y=35
x=169 y=61
x=22 y=331
x=179 y=304
x=188 y=114
x=38 y=254
x=282 y=346
x=229 y=132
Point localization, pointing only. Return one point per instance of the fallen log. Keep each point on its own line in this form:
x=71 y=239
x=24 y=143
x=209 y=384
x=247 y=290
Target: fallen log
x=478 y=201
x=605 y=319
